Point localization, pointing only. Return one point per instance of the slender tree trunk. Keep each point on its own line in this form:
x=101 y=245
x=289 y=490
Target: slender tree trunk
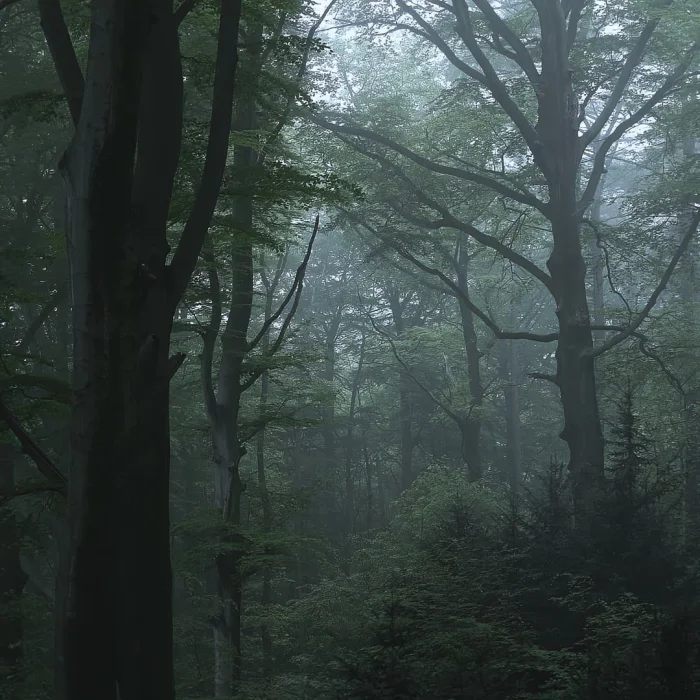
x=690 y=297
x=328 y=428
x=228 y=452
x=405 y=419
x=471 y=431
x=598 y=264
x=266 y=599
x=510 y=375
x=368 y=485
x=349 y=455
x=406 y=444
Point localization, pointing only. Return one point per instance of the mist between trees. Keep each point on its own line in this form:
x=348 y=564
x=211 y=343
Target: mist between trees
x=349 y=349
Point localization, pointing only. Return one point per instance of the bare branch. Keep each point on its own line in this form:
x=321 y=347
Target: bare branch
x=546 y=377
x=644 y=313
x=494 y=83
x=43 y=315
x=294 y=291
x=631 y=62
x=500 y=27
x=431 y=35
x=626 y=124
x=65 y=61
x=43 y=463
x=29 y=490
x=284 y=118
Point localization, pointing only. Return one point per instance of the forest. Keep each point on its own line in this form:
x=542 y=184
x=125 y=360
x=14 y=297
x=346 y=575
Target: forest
x=349 y=349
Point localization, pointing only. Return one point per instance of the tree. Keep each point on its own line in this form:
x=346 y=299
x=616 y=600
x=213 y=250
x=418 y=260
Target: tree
x=534 y=69
x=119 y=172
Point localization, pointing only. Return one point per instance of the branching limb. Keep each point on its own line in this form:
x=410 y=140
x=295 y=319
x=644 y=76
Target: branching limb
x=546 y=377
x=434 y=38
x=491 y=325
x=62 y=51
x=48 y=308
x=451 y=221
x=187 y=253
x=294 y=292
x=599 y=244
x=284 y=118
x=494 y=83
x=644 y=313
x=631 y=62
x=626 y=124
x=30 y=490
x=43 y=463
x=500 y=28
x=522 y=196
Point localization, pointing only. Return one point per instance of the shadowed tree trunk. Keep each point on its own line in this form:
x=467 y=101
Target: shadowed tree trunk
x=407 y=441
x=509 y=372
x=12 y=581
x=266 y=598
x=119 y=172
x=350 y=453
x=330 y=451
x=471 y=430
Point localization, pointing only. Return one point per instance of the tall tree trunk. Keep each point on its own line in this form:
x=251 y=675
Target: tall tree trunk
x=119 y=587
x=559 y=158
x=368 y=485
x=471 y=431
x=598 y=264
x=116 y=636
x=12 y=582
x=224 y=416
x=266 y=599
x=328 y=429
x=350 y=452
x=406 y=444
x=690 y=297
x=510 y=375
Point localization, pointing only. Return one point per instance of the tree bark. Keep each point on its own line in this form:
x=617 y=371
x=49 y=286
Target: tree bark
x=558 y=155
x=510 y=375
x=690 y=296
x=471 y=431
x=119 y=587
x=406 y=444
x=12 y=582
x=328 y=429
x=116 y=636
x=349 y=454
x=266 y=598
